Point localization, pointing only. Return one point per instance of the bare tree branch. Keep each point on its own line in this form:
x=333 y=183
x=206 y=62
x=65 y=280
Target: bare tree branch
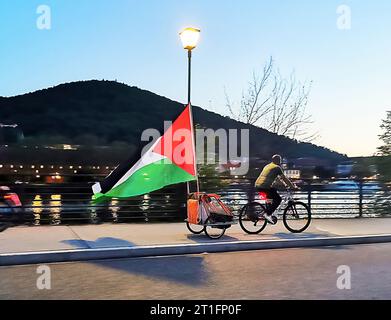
x=254 y=103
x=276 y=104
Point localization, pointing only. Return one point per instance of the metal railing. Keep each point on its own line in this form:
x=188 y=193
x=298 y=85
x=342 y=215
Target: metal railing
x=71 y=202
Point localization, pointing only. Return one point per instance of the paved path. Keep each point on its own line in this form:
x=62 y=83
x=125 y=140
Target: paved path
x=272 y=274
x=48 y=238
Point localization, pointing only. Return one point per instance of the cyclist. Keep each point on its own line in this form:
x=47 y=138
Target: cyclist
x=265 y=183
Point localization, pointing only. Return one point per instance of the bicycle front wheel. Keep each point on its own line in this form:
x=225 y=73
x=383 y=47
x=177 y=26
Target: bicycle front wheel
x=251 y=218
x=297 y=217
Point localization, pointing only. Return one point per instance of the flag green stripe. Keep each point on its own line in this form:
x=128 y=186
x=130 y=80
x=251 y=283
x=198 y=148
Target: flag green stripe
x=150 y=178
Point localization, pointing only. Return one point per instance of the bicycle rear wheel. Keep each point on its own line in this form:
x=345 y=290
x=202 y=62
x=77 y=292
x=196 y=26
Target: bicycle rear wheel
x=195 y=228
x=297 y=217
x=251 y=218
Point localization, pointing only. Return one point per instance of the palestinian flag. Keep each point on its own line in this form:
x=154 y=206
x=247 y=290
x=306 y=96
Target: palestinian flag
x=170 y=160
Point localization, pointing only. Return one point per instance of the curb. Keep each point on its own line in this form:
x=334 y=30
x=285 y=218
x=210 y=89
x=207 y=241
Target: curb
x=26 y=258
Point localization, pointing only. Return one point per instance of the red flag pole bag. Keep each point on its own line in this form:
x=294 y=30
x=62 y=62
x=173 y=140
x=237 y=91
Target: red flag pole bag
x=194 y=214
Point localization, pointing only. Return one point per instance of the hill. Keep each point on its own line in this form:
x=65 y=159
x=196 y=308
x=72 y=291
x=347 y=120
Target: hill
x=106 y=112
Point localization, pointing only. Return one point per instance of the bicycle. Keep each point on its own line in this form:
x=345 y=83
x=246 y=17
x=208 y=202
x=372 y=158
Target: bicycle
x=296 y=215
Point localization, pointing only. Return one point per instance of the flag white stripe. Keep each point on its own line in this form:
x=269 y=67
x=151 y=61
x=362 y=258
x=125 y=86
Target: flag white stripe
x=148 y=158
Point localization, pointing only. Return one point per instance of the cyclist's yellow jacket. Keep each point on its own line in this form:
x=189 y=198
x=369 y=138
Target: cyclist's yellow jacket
x=268 y=175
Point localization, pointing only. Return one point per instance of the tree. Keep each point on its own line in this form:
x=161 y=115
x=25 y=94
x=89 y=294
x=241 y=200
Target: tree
x=385 y=149
x=288 y=115
x=384 y=162
x=276 y=104
x=254 y=103
x=381 y=202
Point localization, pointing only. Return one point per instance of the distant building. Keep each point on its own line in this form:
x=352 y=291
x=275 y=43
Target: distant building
x=292 y=174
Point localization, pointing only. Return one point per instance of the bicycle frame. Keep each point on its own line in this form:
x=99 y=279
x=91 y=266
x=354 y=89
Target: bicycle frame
x=287 y=198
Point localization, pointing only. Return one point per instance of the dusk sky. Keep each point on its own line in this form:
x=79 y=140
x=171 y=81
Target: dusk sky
x=137 y=42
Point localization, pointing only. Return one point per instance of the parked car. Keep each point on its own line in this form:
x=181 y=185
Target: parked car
x=10 y=206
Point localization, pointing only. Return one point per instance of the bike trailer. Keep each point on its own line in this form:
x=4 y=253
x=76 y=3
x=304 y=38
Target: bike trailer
x=201 y=206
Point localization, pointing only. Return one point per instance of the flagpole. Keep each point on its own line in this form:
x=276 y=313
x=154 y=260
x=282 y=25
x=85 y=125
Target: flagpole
x=189 y=102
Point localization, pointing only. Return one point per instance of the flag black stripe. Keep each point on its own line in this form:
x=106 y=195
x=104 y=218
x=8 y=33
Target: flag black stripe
x=111 y=180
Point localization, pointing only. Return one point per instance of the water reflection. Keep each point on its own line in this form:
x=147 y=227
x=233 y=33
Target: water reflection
x=37 y=209
x=145 y=205
x=55 y=209
x=114 y=208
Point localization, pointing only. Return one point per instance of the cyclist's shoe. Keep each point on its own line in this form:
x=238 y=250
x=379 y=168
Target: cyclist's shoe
x=272 y=219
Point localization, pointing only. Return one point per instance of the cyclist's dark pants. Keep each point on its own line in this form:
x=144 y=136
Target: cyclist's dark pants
x=273 y=195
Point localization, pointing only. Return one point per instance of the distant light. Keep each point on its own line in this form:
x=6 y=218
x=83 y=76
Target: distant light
x=189 y=38
x=21 y=167
x=11 y=166
x=67 y=147
x=1 y=165
x=32 y=167
x=70 y=167
x=41 y=166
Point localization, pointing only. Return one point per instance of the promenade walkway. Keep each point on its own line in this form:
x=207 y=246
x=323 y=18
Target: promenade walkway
x=49 y=238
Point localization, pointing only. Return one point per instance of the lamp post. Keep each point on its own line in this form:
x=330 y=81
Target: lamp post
x=189 y=38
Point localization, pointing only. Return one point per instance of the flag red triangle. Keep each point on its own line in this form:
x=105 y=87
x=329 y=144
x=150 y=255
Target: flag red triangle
x=177 y=143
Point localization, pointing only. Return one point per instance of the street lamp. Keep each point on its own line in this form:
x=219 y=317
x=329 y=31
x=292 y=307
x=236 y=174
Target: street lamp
x=189 y=38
